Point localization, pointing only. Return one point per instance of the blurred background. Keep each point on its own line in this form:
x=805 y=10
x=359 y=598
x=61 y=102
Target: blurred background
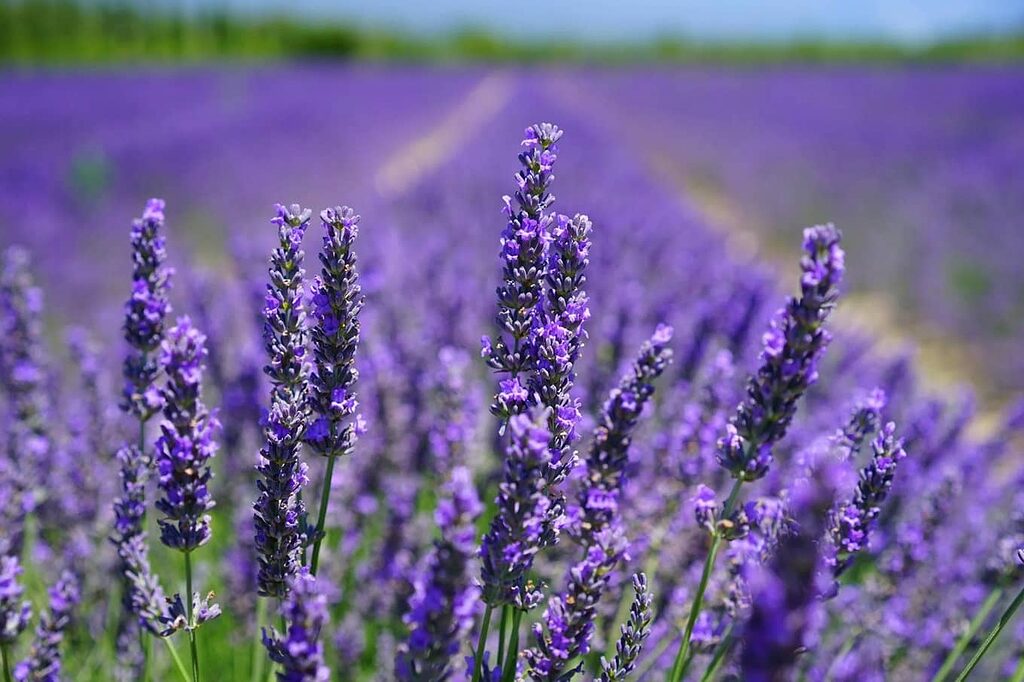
x=900 y=121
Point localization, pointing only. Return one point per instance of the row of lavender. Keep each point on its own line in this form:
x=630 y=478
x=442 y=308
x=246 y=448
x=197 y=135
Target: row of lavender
x=638 y=502
x=919 y=166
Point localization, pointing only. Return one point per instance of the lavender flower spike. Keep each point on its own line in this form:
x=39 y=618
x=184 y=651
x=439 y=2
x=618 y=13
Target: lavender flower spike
x=143 y=596
x=44 y=663
x=299 y=650
x=337 y=300
x=634 y=632
x=145 y=312
x=783 y=613
x=22 y=378
x=569 y=618
x=789 y=362
x=524 y=254
x=443 y=604
x=14 y=613
x=851 y=523
x=278 y=511
x=527 y=520
x=186 y=443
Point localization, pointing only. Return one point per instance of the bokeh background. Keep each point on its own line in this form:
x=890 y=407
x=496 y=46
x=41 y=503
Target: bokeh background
x=900 y=121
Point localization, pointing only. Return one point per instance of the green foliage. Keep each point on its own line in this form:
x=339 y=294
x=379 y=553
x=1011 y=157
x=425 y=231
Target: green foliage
x=115 y=31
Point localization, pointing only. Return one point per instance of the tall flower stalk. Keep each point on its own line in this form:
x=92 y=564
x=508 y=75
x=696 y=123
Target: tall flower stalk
x=443 y=603
x=337 y=299
x=23 y=379
x=145 y=314
x=541 y=311
x=44 y=663
x=279 y=514
x=183 y=453
x=14 y=611
x=568 y=621
x=298 y=649
x=792 y=348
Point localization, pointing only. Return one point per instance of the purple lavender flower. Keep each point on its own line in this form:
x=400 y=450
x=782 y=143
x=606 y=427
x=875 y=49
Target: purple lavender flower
x=569 y=618
x=278 y=512
x=143 y=597
x=524 y=245
x=792 y=348
x=526 y=521
x=558 y=338
x=634 y=632
x=453 y=419
x=851 y=523
x=863 y=422
x=44 y=663
x=443 y=604
x=187 y=442
x=786 y=611
x=14 y=613
x=146 y=311
x=23 y=379
x=298 y=650
x=336 y=301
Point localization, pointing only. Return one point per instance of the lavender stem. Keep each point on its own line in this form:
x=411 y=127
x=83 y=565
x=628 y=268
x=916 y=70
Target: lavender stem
x=321 y=521
x=6 y=663
x=191 y=621
x=176 y=658
x=990 y=639
x=502 y=633
x=478 y=657
x=508 y=672
x=961 y=645
x=681 y=660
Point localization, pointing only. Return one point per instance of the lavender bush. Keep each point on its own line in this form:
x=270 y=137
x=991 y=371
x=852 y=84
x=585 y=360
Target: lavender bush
x=721 y=498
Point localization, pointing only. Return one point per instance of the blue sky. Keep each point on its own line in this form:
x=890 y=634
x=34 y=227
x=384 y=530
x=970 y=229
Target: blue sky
x=621 y=20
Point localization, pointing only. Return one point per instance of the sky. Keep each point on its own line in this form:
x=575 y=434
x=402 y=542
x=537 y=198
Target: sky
x=633 y=20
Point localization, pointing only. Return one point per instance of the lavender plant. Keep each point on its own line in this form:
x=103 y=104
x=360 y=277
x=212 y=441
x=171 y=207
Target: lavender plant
x=337 y=300
x=183 y=454
x=44 y=663
x=279 y=512
x=14 y=612
x=792 y=349
x=568 y=621
x=298 y=649
x=443 y=604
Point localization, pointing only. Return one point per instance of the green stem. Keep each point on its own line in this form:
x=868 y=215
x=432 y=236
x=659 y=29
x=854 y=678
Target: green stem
x=146 y=645
x=191 y=621
x=256 y=667
x=993 y=635
x=508 y=672
x=961 y=645
x=321 y=522
x=720 y=652
x=7 y=663
x=176 y=658
x=682 y=660
x=478 y=655
x=502 y=633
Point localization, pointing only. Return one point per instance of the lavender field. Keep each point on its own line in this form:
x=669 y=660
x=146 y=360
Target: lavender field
x=585 y=401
